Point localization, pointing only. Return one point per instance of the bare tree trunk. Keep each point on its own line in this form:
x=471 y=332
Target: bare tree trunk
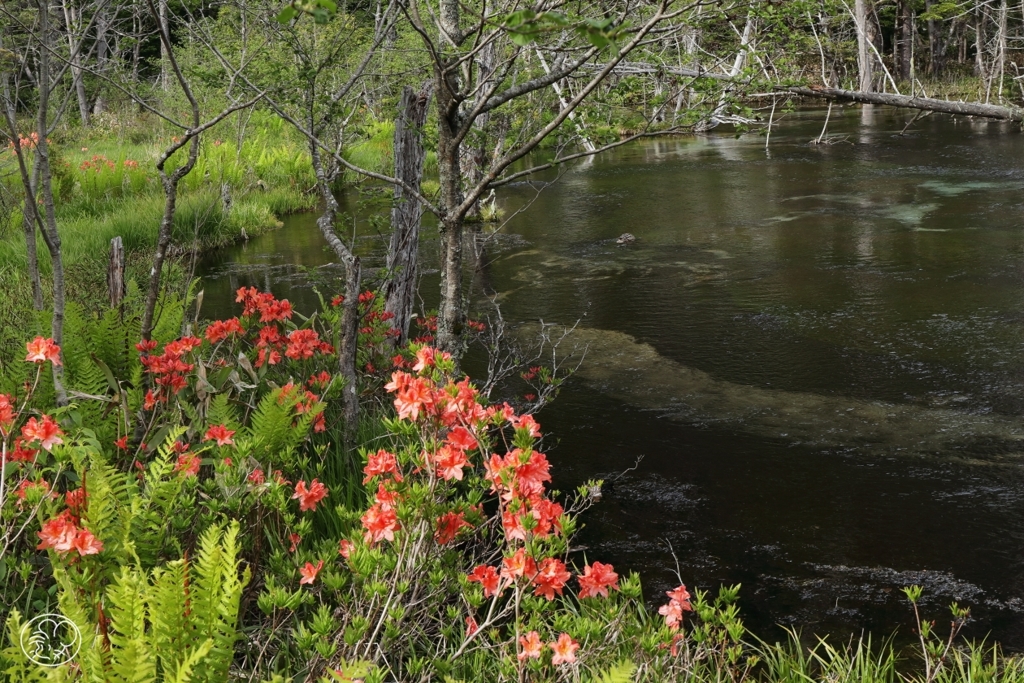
x=407 y=212
x=905 y=40
x=169 y=181
x=350 y=311
x=934 y=43
x=865 y=61
x=580 y=130
x=979 y=42
x=165 y=75
x=451 y=316
x=737 y=66
x=49 y=225
x=1000 y=51
x=990 y=111
x=30 y=220
x=29 y=217
x=102 y=56
x=73 y=25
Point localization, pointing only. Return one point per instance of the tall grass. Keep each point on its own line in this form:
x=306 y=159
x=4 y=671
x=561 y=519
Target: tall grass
x=106 y=186
x=862 y=660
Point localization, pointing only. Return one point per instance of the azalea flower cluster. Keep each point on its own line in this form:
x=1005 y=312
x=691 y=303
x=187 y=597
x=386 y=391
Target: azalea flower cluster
x=260 y=327
x=272 y=343
x=64 y=534
x=457 y=429
x=167 y=369
x=563 y=650
x=36 y=433
x=679 y=602
x=25 y=142
x=97 y=163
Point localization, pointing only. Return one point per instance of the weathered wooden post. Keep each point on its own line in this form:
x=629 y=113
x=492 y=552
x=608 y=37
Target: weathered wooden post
x=116 y=288
x=406 y=212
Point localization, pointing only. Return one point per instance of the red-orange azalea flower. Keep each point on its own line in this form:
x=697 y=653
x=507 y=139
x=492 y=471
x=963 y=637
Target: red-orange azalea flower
x=551 y=578
x=487 y=577
x=380 y=523
x=221 y=434
x=597 y=579
x=679 y=602
x=309 y=572
x=518 y=565
x=449 y=525
x=564 y=650
x=530 y=646
x=379 y=463
x=47 y=432
x=309 y=497
x=41 y=350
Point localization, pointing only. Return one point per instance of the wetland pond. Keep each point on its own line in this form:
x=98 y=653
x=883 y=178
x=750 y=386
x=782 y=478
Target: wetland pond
x=818 y=350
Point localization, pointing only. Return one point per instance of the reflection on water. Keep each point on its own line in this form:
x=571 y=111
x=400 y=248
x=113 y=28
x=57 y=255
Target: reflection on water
x=817 y=350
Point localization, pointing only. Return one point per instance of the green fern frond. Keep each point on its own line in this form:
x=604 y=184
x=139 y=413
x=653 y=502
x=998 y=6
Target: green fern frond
x=275 y=430
x=14 y=664
x=169 y=611
x=132 y=660
x=217 y=591
x=618 y=673
x=183 y=673
x=222 y=412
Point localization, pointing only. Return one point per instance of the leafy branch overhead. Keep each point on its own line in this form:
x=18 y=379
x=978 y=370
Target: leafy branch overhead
x=526 y=26
x=523 y=26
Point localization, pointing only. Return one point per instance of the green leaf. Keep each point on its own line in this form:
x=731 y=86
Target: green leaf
x=519 y=18
x=287 y=14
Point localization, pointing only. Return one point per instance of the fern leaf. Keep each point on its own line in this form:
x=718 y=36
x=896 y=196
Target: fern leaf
x=133 y=661
x=183 y=673
x=618 y=673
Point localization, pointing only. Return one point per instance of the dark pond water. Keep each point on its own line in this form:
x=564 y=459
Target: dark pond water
x=818 y=351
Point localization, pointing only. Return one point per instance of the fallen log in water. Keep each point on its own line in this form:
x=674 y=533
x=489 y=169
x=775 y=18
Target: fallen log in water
x=990 y=111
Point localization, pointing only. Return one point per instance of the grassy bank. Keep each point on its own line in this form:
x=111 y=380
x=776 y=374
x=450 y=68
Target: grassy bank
x=106 y=186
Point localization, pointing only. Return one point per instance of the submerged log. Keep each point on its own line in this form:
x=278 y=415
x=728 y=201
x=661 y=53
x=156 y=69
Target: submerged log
x=989 y=111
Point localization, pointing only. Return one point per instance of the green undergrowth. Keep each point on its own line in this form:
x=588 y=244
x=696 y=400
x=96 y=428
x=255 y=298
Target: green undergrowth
x=106 y=185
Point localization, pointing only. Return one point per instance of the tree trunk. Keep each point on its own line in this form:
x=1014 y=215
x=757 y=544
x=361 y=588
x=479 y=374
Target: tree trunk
x=165 y=76
x=29 y=222
x=49 y=225
x=997 y=76
x=737 y=66
x=935 y=46
x=906 y=39
x=350 y=311
x=407 y=212
x=990 y=111
x=102 y=57
x=451 y=316
x=73 y=24
x=163 y=243
x=979 y=42
x=865 y=61
x=29 y=218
